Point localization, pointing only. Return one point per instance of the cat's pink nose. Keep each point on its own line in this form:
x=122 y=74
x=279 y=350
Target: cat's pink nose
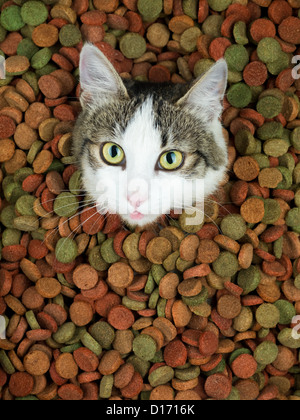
x=135 y=200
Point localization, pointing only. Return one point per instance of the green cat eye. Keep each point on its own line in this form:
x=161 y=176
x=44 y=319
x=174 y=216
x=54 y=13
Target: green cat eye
x=112 y=154
x=171 y=160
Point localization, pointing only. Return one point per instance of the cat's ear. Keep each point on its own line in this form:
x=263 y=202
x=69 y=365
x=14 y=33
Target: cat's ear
x=207 y=93
x=98 y=78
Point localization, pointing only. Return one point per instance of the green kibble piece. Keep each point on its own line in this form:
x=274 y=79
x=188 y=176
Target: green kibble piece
x=89 y=342
x=11 y=237
x=64 y=333
x=219 y=5
x=65 y=204
x=108 y=252
x=75 y=183
x=190 y=8
x=295 y=138
x=297 y=281
x=286 y=309
x=266 y=352
x=270 y=130
x=150 y=10
x=278 y=248
x=226 y=265
x=27 y=48
x=287 y=180
x=41 y=58
x=3 y=33
x=248 y=279
x=275 y=147
x=272 y=211
x=34 y=13
x=191 y=221
x=69 y=35
x=202 y=66
x=153 y=299
x=188 y=39
x=245 y=142
x=11 y=18
x=133 y=45
x=269 y=106
x=277 y=66
x=6 y=364
x=289 y=338
x=26 y=223
x=31 y=78
x=188 y=373
x=24 y=205
x=240 y=33
x=239 y=95
x=267 y=315
x=161 y=376
x=144 y=347
x=66 y=250
x=158 y=272
x=233 y=226
x=212 y=25
x=292 y=218
x=103 y=333
x=106 y=385
x=96 y=260
x=7 y=216
x=196 y=300
x=32 y=321
x=268 y=50
x=134 y=305
x=237 y=57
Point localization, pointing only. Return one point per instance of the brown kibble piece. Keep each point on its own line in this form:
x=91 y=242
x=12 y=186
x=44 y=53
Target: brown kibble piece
x=158 y=249
x=246 y=168
x=81 y=313
x=66 y=366
x=229 y=306
x=253 y=210
x=120 y=275
x=85 y=277
x=36 y=362
x=48 y=287
x=168 y=286
x=110 y=362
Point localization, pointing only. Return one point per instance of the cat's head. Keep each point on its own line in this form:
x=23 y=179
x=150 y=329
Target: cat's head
x=141 y=147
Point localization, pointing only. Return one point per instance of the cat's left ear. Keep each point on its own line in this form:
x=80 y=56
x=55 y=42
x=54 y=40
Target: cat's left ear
x=99 y=80
x=207 y=93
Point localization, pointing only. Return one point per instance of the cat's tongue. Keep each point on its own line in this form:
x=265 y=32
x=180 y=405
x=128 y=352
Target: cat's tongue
x=136 y=215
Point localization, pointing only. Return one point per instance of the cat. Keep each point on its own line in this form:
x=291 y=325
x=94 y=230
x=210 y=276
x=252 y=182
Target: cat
x=142 y=146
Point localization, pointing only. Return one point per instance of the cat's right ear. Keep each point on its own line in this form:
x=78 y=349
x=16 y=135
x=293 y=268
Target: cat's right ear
x=98 y=78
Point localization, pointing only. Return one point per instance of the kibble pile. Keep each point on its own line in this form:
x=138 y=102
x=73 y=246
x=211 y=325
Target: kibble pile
x=93 y=310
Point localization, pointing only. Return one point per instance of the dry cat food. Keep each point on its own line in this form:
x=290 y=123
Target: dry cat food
x=93 y=310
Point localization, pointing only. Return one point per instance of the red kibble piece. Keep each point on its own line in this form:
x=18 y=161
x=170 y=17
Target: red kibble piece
x=218 y=386
x=175 y=353
x=273 y=268
x=104 y=305
x=62 y=62
x=159 y=74
x=120 y=317
x=80 y=6
x=134 y=387
x=70 y=392
x=208 y=343
x=203 y=10
x=7 y=127
x=91 y=221
x=13 y=253
x=3 y=377
x=289 y=30
x=5 y=282
x=255 y=73
x=197 y=271
x=86 y=359
x=118 y=242
x=272 y=234
x=47 y=322
x=37 y=249
x=50 y=86
x=279 y=10
x=262 y=28
x=218 y=47
x=135 y=21
x=94 y=17
x=285 y=79
x=32 y=182
x=112 y=223
x=244 y=366
x=21 y=384
x=65 y=112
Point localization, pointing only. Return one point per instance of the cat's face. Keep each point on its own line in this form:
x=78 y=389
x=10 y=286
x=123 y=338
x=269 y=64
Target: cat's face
x=145 y=150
